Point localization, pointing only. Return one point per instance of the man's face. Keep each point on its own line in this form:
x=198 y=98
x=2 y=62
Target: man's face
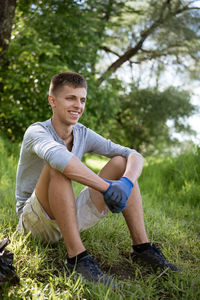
x=68 y=104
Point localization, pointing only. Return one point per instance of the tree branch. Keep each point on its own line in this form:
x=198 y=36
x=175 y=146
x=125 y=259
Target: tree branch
x=133 y=51
x=106 y=49
x=144 y=35
x=186 y=8
x=151 y=54
x=129 y=53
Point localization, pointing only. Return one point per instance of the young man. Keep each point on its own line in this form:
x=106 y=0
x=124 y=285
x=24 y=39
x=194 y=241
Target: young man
x=50 y=159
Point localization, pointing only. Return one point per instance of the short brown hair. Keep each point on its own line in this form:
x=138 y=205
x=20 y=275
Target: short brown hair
x=66 y=78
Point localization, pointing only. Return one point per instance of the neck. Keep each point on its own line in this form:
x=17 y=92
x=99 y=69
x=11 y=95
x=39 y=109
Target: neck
x=62 y=130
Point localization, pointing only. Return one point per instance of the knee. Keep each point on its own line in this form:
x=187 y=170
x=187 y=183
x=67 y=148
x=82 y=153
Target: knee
x=55 y=174
x=119 y=164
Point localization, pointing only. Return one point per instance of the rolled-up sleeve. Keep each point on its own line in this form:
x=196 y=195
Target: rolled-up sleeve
x=38 y=140
x=95 y=143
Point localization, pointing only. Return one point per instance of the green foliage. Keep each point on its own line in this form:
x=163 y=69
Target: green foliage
x=49 y=37
x=102 y=106
x=141 y=119
x=172 y=221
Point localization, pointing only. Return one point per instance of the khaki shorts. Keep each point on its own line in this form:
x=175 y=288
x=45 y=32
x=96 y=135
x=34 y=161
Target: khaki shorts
x=35 y=220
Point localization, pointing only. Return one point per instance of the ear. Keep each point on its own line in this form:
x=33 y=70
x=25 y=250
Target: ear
x=52 y=101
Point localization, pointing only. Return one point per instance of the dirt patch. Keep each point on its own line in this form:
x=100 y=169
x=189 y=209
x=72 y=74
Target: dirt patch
x=125 y=270
x=122 y=272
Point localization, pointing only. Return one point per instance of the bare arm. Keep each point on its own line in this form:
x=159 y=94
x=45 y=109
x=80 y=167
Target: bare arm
x=76 y=170
x=134 y=166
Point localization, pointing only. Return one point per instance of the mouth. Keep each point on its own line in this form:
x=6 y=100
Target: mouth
x=74 y=114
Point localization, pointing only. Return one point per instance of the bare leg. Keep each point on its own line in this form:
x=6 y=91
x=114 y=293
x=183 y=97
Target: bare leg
x=133 y=213
x=55 y=193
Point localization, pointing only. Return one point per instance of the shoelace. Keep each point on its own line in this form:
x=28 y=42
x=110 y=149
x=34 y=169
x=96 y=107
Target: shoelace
x=165 y=261
x=93 y=265
x=159 y=252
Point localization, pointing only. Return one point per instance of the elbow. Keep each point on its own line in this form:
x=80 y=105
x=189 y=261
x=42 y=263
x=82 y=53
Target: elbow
x=137 y=156
x=142 y=160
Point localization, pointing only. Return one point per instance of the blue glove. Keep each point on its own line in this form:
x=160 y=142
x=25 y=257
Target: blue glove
x=117 y=194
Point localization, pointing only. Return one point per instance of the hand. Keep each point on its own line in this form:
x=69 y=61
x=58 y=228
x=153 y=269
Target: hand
x=117 y=194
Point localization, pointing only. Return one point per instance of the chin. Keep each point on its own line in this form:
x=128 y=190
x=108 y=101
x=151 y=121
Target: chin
x=71 y=122
x=75 y=121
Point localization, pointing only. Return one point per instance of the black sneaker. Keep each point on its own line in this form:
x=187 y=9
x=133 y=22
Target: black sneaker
x=90 y=271
x=154 y=257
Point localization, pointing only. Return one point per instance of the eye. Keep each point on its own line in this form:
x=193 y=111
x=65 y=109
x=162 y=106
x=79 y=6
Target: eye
x=83 y=100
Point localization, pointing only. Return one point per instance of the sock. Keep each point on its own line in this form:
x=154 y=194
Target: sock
x=76 y=258
x=141 y=247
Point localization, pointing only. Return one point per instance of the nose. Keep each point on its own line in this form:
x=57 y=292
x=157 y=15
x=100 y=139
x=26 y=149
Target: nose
x=78 y=103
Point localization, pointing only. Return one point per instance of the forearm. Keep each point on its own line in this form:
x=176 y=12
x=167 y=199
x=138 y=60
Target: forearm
x=77 y=171
x=134 y=166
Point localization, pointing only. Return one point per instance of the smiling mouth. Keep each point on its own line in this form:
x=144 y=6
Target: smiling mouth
x=74 y=113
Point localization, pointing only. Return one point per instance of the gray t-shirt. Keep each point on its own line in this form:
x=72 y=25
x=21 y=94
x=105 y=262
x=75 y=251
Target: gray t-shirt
x=41 y=144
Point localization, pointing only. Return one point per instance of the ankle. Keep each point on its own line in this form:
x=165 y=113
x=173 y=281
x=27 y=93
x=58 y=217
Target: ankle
x=74 y=251
x=75 y=259
x=138 y=241
x=141 y=247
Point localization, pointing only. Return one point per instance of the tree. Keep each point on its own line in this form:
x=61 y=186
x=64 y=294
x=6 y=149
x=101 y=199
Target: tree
x=48 y=37
x=163 y=29
x=141 y=120
x=52 y=36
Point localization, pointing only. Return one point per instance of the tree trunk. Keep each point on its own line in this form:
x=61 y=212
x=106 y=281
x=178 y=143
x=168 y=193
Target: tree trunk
x=7 y=13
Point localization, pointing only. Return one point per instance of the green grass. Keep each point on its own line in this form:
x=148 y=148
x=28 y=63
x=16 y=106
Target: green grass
x=171 y=192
